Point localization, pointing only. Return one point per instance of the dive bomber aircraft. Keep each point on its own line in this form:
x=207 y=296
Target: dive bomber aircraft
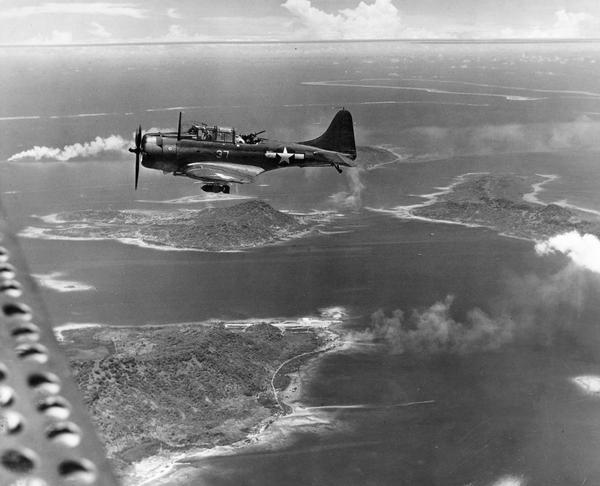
x=218 y=156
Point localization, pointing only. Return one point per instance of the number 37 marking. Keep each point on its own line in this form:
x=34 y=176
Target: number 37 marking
x=222 y=154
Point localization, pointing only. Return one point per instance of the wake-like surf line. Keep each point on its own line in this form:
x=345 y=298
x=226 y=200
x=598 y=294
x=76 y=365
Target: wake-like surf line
x=500 y=86
x=59 y=117
x=368 y=406
x=538 y=187
x=206 y=107
x=422 y=89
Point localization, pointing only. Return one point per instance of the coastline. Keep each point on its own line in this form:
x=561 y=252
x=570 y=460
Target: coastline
x=537 y=188
x=408 y=212
x=33 y=232
x=309 y=223
x=262 y=428
x=175 y=468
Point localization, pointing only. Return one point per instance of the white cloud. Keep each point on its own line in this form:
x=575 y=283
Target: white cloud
x=571 y=24
x=173 y=14
x=377 y=20
x=442 y=142
x=583 y=250
x=92 y=8
x=589 y=384
x=178 y=33
x=567 y=25
x=56 y=37
x=98 y=30
x=510 y=481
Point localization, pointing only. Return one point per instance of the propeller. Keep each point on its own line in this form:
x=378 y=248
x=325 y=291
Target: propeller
x=179 y=128
x=137 y=151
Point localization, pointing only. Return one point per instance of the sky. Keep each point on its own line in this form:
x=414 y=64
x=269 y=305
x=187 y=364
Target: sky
x=97 y=22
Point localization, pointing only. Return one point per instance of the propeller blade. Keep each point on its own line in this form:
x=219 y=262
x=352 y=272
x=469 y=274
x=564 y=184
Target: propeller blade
x=137 y=151
x=137 y=168
x=138 y=138
x=179 y=128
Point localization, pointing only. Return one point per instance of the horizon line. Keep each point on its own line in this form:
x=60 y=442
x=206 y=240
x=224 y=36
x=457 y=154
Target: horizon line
x=323 y=41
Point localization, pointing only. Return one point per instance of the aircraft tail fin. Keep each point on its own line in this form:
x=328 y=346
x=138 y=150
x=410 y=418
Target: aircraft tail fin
x=339 y=137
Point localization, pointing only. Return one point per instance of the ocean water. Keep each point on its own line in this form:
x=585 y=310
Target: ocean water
x=506 y=414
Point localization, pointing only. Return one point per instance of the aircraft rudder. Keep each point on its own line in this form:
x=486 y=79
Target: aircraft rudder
x=339 y=136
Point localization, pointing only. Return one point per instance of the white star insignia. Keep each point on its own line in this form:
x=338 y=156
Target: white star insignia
x=284 y=157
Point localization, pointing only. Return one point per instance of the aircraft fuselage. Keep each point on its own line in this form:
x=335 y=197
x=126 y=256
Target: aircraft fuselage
x=219 y=157
x=170 y=155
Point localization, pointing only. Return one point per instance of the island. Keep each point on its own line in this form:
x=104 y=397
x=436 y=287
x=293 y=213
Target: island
x=166 y=388
x=505 y=203
x=242 y=226
x=370 y=157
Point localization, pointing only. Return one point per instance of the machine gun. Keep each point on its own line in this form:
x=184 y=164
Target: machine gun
x=253 y=137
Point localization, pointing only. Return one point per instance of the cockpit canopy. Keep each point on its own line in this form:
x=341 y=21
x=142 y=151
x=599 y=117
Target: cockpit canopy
x=212 y=134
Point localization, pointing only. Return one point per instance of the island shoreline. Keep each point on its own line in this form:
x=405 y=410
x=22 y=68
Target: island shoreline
x=535 y=225
x=159 y=468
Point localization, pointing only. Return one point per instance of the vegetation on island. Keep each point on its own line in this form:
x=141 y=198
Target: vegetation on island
x=170 y=387
x=496 y=201
x=246 y=225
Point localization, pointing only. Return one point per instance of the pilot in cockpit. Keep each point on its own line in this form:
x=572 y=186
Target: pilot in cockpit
x=200 y=132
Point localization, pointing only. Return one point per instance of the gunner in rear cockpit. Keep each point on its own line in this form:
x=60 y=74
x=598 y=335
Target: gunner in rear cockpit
x=203 y=134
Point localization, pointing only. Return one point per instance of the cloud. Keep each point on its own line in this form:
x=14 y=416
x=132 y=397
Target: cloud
x=510 y=481
x=56 y=37
x=583 y=250
x=84 y=8
x=98 y=146
x=98 y=30
x=177 y=33
x=173 y=14
x=567 y=25
x=440 y=142
x=572 y=24
x=589 y=384
x=377 y=20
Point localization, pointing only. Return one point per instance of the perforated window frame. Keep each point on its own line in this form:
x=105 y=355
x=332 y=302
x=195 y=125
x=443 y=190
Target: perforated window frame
x=38 y=448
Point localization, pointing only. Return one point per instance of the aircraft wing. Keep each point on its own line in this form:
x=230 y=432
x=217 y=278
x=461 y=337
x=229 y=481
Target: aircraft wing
x=222 y=172
x=46 y=434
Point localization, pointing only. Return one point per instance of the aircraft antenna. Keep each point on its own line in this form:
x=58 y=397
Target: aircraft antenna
x=179 y=128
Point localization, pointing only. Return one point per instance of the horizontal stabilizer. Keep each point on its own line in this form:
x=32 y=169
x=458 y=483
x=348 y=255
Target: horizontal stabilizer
x=336 y=158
